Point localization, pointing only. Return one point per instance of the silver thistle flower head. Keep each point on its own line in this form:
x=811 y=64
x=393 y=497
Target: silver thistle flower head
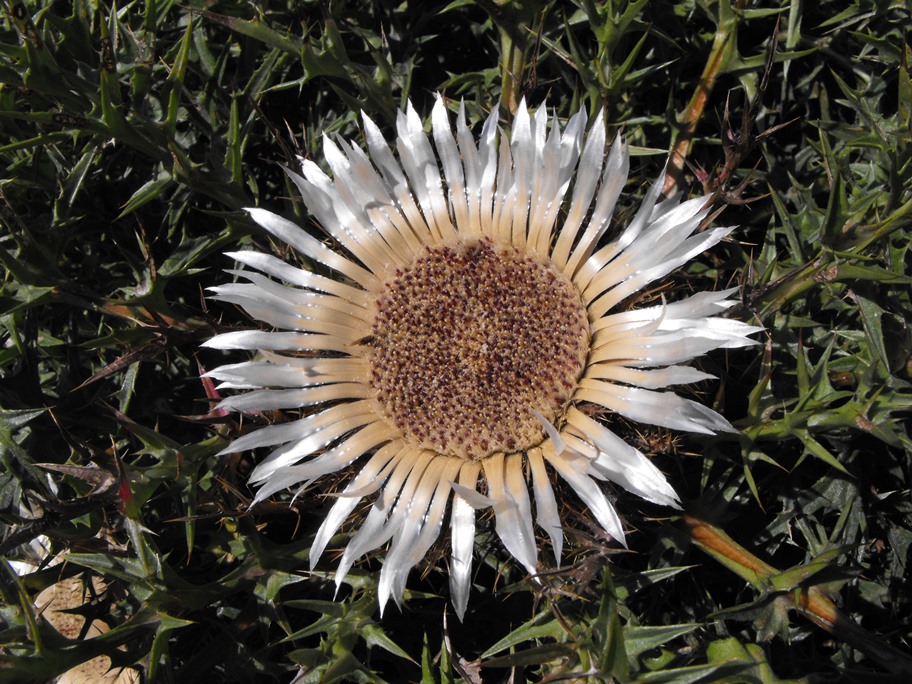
x=473 y=320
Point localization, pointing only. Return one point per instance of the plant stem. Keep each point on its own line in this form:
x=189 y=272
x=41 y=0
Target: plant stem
x=810 y=602
x=511 y=68
x=722 y=49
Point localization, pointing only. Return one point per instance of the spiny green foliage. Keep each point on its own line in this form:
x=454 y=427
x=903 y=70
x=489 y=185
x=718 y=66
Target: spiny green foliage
x=130 y=139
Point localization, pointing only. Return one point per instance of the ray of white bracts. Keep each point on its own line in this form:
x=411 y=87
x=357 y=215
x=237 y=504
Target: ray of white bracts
x=541 y=189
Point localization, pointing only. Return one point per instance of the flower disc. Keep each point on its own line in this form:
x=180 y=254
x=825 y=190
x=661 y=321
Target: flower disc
x=470 y=341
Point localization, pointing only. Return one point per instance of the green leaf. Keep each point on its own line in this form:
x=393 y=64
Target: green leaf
x=540 y=627
x=639 y=639
x=149 y=191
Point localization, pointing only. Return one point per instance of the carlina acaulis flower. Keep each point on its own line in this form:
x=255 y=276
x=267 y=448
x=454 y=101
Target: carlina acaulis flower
x=472 y=320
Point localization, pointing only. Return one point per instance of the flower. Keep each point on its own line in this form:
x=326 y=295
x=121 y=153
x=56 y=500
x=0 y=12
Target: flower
x=473 y=319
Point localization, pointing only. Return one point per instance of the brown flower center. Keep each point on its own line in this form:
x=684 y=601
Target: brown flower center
x=469 y=341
